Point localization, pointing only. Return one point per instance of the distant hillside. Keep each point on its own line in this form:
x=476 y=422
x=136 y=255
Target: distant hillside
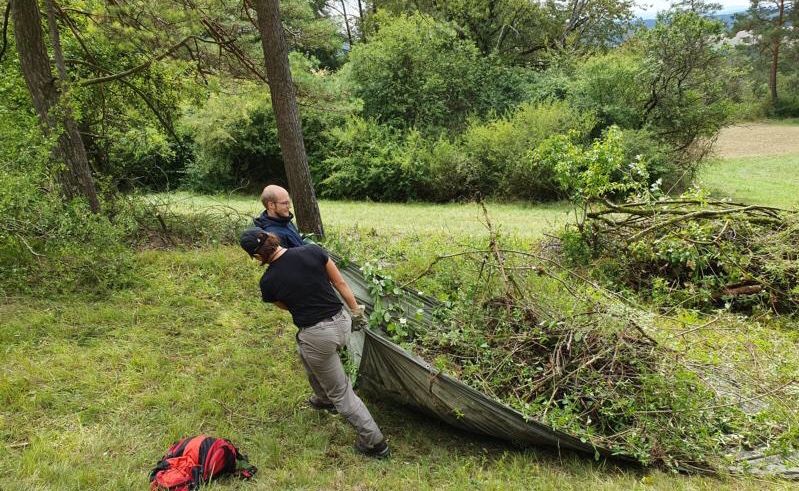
x=726 y=18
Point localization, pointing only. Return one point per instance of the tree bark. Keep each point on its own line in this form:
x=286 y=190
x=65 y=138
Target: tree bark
x=75 y=178
x=360 y=21
x=289 y=130
x=346 y=21
x=772 y=78
x=775 y=52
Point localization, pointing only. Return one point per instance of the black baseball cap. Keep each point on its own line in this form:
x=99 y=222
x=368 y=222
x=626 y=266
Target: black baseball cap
x=250 y=241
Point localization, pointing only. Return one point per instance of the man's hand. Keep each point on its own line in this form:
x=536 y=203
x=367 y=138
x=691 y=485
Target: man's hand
x=359 y=319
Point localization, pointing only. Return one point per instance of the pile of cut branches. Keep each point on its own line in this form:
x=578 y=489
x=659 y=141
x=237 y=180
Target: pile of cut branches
x=556 y=349
x=699 y=253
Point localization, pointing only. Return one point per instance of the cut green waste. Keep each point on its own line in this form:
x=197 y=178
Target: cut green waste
x=388 y=367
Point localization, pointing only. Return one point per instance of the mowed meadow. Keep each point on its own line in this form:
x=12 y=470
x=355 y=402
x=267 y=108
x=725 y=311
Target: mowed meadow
x=758 y=164
x=93 y=390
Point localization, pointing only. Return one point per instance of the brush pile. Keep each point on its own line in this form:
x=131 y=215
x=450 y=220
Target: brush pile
x=562 y=350
x=699 y=253
x=559 y=354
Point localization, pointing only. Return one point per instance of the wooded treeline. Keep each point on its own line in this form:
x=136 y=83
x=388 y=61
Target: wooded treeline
x=429 y=100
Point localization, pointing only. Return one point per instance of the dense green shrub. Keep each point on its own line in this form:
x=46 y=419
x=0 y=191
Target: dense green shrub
x=610 y=86
x=500 y=150
x=47 y=246
x=369 y=161
x=378 y=162
x=144 y=157
x=235 y=141
x=234 y=133
x=787 y=108
x=416 y=72
x=687 y=80
x=448 y=171
x=596 y=172
x=664 y=99
x=661 y=166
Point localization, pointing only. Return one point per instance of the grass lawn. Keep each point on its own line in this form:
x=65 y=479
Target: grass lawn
x=770 y=180
x=458 y=219
x=94 y=390
x=758 y=163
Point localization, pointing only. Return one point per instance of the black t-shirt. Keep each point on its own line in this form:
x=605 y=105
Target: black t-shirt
x=299 y=279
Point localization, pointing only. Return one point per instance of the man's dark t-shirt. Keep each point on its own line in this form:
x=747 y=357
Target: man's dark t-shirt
x=299 y=279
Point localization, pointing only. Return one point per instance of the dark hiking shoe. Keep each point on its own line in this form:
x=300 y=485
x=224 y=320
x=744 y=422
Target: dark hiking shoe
x=321 y=405
x=379 y=451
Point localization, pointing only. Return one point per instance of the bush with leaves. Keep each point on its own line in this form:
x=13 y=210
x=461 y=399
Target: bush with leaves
x=234 y=133
x=585 y=175
x=48 y=246
x=418 y=72
x=235 y=141
x=686 y=78
x=498 y=151
x=371 y=161
x=670 y=84
x=611 y=87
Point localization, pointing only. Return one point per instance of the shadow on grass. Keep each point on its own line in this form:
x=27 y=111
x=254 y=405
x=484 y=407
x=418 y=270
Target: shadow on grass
x=415 y=436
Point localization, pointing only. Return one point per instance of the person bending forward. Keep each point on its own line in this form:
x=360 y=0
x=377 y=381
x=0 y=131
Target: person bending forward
x=301 y=280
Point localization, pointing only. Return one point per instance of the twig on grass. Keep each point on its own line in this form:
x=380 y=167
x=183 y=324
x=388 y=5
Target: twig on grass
x=242 y=416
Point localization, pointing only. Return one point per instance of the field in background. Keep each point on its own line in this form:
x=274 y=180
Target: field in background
x=522 y=219
x=758 y=164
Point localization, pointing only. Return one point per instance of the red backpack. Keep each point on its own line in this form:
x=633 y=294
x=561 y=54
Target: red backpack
x=196 y=460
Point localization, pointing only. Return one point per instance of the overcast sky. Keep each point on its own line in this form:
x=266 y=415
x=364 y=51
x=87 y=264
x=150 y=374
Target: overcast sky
x=657 y=5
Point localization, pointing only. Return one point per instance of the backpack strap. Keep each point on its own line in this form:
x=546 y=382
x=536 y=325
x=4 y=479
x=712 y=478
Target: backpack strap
x=244 y=470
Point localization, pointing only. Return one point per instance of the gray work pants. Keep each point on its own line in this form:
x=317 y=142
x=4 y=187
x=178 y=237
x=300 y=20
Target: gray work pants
x=318 y=348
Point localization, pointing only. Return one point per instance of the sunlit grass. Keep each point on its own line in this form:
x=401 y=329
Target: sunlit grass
x=771 y=180
x=522 y=219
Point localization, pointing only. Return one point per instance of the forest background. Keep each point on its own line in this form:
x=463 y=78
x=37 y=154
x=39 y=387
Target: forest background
x=547 y=103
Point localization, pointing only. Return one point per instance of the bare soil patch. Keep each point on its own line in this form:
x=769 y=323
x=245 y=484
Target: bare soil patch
x=754 y=139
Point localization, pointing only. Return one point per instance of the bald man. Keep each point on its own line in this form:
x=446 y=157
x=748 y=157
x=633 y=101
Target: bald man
x=276 y=217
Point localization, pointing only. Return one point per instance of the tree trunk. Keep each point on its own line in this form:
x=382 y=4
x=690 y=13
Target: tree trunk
x=346 y=21
x=289 y=131
x=775 y=53
x=76 y=179
x=360 y=21
x=772 y=78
